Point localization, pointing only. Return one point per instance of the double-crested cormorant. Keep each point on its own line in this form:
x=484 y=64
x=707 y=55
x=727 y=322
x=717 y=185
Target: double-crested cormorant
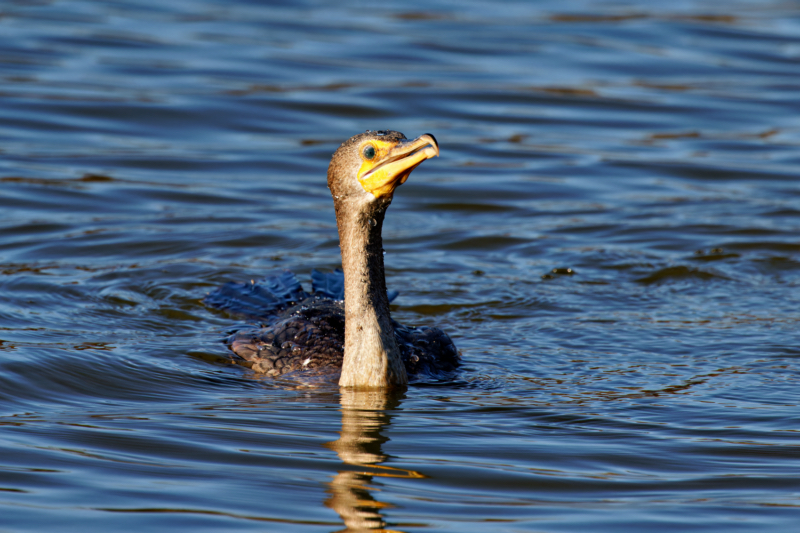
x=302 y=331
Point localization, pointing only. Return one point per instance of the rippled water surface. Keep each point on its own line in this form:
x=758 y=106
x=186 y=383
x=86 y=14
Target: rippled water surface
x=611 y=236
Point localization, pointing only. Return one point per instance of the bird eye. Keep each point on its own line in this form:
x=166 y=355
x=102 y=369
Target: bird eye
x=369 y=152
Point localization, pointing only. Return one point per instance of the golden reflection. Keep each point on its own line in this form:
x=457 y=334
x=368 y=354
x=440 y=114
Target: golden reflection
x=364 y=416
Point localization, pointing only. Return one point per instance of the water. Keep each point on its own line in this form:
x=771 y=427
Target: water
x=611 y=237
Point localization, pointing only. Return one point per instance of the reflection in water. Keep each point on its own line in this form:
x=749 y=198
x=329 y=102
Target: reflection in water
x=364 y=416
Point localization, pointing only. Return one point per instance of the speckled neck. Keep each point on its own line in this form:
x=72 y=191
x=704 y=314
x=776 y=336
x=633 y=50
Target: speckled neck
x=371 y=356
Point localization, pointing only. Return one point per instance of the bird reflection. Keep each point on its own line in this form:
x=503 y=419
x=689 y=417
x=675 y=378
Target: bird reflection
x=364 y=416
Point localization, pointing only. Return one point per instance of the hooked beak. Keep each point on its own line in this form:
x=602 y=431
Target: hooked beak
x=394 y=163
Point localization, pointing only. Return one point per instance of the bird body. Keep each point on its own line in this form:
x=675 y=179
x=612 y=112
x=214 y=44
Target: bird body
x=345 y=321
x=300 y=331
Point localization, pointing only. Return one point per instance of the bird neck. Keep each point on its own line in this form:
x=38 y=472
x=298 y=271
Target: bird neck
x=371 y=356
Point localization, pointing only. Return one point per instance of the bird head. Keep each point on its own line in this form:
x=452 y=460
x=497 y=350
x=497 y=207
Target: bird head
x=371 y=165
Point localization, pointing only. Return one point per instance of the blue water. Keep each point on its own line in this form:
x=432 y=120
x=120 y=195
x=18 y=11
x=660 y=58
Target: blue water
x=611 y=236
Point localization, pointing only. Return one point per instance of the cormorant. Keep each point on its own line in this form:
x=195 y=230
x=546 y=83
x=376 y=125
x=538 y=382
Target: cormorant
x=344 y=322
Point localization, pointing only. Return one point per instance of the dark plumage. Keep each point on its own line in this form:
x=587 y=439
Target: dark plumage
x=302 y=331
x=345 y=321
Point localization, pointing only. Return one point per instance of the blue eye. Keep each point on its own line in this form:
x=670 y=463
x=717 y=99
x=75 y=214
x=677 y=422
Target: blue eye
x=369 y=152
